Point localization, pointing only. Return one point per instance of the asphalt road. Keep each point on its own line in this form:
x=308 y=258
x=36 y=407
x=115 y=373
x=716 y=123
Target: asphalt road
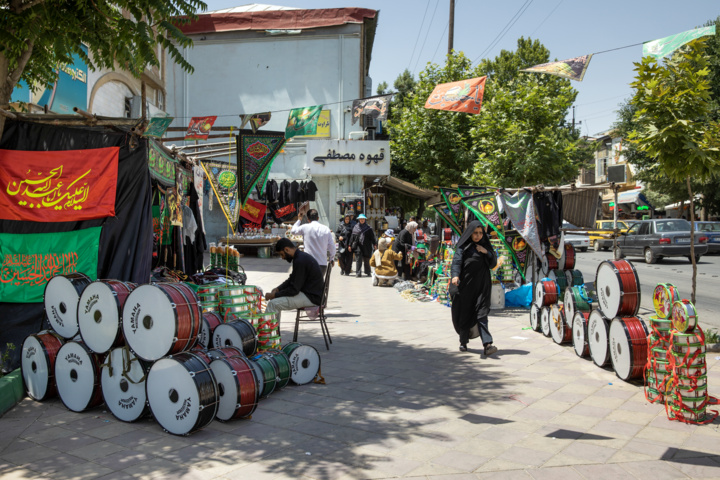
x=677 y=271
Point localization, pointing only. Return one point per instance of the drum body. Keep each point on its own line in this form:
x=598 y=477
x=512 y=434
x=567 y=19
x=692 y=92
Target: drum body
x=598 y=335
x=304 y=362
x=545 y=321
x=618 y=289
x=567 y=259
x=237 y=333
x=549 y=263
x=560 y=331
x=61 y=297
x=237 y=387
x=664 y=296
x=225 y=352
x=534 y=317
x=266 y=375
x=561 y=280
x=161 y=319
x=576 y=300
x=37 y=364
x=100 y=314
x=574 y=278
x=579 y=333
x=210 y=321
x=546 y=292
x=77 y=373
x=123 y=385
x=281 y=362
x=684 y=316
x=182 y=392
x=628 y=347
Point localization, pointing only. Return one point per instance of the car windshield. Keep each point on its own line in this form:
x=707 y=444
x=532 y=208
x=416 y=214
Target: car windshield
x=709 y=227
x=677 y=225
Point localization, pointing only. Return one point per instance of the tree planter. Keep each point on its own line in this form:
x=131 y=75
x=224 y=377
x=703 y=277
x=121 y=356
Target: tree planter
x=12 y=390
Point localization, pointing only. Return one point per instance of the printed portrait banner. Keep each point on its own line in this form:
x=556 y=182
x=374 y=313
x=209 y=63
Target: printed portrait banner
x=520 y=209
x=256 y=120
x=30 y=260
x=224 y=182
x=519 y=246
x=572 y=68
x=157 y=126
x=444 y=212
x=199 y=128
x=463 y=96
x=303 y=121
x=453 y=201
x=486 y=204
x=665 y=46
x=58 y=186
x=253 y=211
x=375 y=107
x=256 y=151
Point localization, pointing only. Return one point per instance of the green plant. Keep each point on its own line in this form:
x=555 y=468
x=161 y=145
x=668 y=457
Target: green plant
x=5 y=359
x=712 y=336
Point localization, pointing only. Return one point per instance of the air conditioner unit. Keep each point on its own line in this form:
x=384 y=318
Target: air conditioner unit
x=150 y=109
x=616 y=173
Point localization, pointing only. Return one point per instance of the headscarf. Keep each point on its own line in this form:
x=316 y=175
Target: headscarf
x=361 y=229
x=466 y=237
x=383 y=244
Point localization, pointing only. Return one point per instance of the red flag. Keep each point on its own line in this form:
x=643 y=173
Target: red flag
x=199 y=128
x=253 y=211
x=463 y=96
x=58 y=186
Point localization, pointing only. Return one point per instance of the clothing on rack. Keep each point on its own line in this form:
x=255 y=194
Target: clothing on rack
x=272 y=192
x=548 y=208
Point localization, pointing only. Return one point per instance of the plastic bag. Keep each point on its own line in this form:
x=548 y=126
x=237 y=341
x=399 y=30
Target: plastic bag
x=520 y=297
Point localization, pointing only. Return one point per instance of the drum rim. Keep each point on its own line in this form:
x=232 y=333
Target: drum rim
x=628 y=337
x=175 y=315
x=273 y=381
x=65 y=275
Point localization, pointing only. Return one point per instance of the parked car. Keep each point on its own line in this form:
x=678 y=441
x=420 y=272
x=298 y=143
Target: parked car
x=602 y=237
x=580 y=241
x=712 y=231
x=655 y=239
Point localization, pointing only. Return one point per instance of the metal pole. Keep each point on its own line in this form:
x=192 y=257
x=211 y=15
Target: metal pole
x=451 y=27
x=615 y=220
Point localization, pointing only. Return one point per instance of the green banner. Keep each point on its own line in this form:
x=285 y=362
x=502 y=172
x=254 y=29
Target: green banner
x=30 y=260
x=665 y=46
x=303 y=121
x=163 y=167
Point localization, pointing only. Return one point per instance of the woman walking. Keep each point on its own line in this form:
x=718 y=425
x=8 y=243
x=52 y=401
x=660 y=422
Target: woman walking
x=343 y=233
x=471 y=282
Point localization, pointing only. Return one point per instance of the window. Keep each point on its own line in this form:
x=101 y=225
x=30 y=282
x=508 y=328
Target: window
x=634 y=229
x=644 y=228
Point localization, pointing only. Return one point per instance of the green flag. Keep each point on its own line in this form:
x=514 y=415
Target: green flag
x=30 y=260
x=665 y=46
x=303 y=121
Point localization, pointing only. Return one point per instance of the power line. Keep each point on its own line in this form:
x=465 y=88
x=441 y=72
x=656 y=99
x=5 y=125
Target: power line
x=505 y=29
x=601 y=100
x=426 y=36
x=549 y=15
x=419 y=32
x=440 y=41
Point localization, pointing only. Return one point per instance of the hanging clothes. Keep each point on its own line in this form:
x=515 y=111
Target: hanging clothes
x=548 y=208
x=272 y=191
x=310 y=190
x=294 y=189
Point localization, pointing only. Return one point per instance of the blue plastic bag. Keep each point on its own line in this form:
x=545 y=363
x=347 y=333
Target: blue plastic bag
x=520 y=297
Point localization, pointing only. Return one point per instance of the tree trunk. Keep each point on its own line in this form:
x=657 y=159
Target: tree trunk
x=10 y=78
x=692 y=241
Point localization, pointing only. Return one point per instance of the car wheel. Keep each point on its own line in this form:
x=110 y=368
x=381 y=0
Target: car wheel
x=618 y=254
x=650 y=256
x=584 y=249
x=605 y=249
x=697 y=258
x=596 y=245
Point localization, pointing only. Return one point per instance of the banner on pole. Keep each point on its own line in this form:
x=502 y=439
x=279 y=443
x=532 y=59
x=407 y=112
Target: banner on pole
x=199 y=128
x=223 y=179
x=375 y=107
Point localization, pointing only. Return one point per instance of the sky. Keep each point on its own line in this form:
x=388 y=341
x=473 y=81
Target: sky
x=412 y=33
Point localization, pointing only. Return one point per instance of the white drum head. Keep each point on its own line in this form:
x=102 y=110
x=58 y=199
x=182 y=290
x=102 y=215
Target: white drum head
x=598 y=338
x=124 y=392
x=569 y=277
x=608 y=289
x=205 y=334
x=61 y=305
x=149 y=322
x=545 y=265
x=539 y=293
x=545 y=321
x=228 y=391
x=75 y=374
x=579 y=334
x=226 y=336
x=35 y=368
x=99 y=317
x=621 y=353
x=173 y=396
x=556 y=324
x=569 y=303
x=304 y=363
x=535 y=317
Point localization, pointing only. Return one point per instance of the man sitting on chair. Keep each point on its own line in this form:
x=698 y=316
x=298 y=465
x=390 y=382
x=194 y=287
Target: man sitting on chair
x=304 y=287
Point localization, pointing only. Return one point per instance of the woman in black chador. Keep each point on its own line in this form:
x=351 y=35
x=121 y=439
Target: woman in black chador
x=343 y=233
x=470 y=272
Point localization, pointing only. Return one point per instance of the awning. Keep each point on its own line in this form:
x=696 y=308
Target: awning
x=409 y=189
x=630 y=197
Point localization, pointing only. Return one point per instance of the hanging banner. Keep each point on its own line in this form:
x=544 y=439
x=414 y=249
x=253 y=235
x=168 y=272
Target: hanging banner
x=162 y=165
x=375 y=107
x=463 y=96
x=520 y=209
x=323 y=126
x=256 y=120
x=157 y=126
x=253 y=211
x=519 y=246
x=303 y=121
x=444 y=212
x=58 y=186
x=161 y=225
x=572 y=68
x=30 y=260
x=454 y=203
x=256 y=151
x=665 y=46
x=486 y=204
x=467 y=191
x=199 y=128
x=262 y=181
x=224 y=182
x=284 y=213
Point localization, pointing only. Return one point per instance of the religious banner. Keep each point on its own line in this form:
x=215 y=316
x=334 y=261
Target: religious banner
x=255 y=151
x=30 y=260
x=199 y=128
x=520 y=209
x=157 y=126
x=161 y=225
x=253 y=211
x=444 y=212
x=453 y=200
x=162 y=166
x=463 y=96
x=256 y=120
x=284 y=213
x=519 y=246
x=223 y=180
x=303 y=121
x=375 y=107
x=665 y=46
x=467 y=191
x=485 y=208
x=572 y=68
x=58 y=186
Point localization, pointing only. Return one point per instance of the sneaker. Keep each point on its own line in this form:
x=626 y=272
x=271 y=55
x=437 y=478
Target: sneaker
x=490 y=349
x=463 y=348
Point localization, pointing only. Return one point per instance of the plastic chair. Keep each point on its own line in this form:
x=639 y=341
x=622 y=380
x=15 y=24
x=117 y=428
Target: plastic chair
x=303 y=313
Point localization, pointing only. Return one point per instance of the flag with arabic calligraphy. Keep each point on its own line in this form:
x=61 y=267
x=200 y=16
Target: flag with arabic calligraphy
x=463 y=96
x=303 y=121
x=256 y=152
x=466 y=190
x=485 y=208
x=223 y=180
x=445 y=213
x=253 y=211
x=157 y=126
x=454 y=203
x=58 y=186
x=29 y=260
x=520 y=209
x=572 y=68
x=199 y=128
x=375 y=107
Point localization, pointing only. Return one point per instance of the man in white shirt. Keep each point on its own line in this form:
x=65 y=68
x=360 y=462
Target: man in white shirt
x=317 y=238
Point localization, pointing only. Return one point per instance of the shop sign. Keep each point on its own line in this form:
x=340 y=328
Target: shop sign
x=348 y=157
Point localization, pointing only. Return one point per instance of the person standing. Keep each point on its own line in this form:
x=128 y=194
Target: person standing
x=343 y=234
x=403 y=244
x=317 y=238
x=362 y=244
x=471 y=286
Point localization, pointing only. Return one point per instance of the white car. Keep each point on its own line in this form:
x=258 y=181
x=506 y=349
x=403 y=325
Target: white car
x=579 y=240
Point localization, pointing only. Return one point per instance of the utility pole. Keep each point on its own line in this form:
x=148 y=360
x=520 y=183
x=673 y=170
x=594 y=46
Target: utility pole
x=451 y=26
x=573 y=121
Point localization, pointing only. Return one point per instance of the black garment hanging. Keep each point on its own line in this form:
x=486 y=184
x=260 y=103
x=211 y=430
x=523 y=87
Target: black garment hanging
x=310 y=190
x=284 y=197
x=272 y=191
x=294 y=187
x=548 y=208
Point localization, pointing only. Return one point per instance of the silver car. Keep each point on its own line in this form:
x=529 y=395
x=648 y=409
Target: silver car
x=712 y=231
x=579 y=240
x=655 y=239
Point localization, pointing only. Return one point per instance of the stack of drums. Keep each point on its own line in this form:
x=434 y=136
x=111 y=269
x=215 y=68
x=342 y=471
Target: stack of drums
x=439 y=290
x=268 y=330
x=239 y=300
x=578 y=306
x=545 y=296
x=658 y=370
x=209 y=297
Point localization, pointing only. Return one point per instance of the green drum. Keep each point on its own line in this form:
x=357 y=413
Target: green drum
x=230 y=290
x=653 y=395
x=574 y=278
x=304 y=362
x=560 y=280
x=576 y=299
x=237 y=309
x=210 y=307
x=281 y=362
x=210 y=289
x=266 y=374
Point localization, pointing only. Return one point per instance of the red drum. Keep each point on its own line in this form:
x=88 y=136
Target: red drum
x=210 y=321
x=579 y=334
x=237 y=387
x=61 y=297
x=535 y=317
x=123 y=385
x=549 y=263
x=598 y=335
x=37 y=364
x=545 y=321
x=225 y=352
x=547 y=292
x=202 y=353
x=560 y=331
x=77 y=373
x=618 y=288
x=100 y=314
x=161 y=319
x=567 y=259
x=628 y=347
x=238 y=333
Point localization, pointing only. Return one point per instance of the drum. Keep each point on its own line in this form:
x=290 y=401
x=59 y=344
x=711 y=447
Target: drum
x=210 y=321
x=561 y=280
x=549 y=263
x=37 y=364
x=123 y=385
x=546 y=292
x=304 y=362
x=202 y=353
x=182 y=393
x=61 y=297
x=687 y=339
x=664 y=295
x=576 y=300
x=574 y=278
x=697 y=416
x=535 y=317
x=237 y=333
x=266 y=374
x=560 y=331
x=237 y=309
x=237 y=387
x=100 y=314
x=598 y=335
x=661 y=326
x=281 y=362
x=209 y=290
x=692 y=360
x=579 y=334
x=77 y=373
x=684 y=316
x=618 y=289
x=567 y=259
x=225 y=352
x=545 y=321
x=230 y=290
x=628 y=347
x=161 y=319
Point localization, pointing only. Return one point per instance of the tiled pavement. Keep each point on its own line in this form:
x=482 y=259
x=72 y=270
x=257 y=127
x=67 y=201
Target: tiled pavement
x=400 y=401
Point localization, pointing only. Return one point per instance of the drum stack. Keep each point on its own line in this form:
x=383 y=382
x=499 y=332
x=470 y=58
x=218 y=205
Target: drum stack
x=657 y=374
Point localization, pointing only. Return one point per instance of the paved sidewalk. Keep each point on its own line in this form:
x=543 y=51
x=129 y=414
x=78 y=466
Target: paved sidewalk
x=400 y=401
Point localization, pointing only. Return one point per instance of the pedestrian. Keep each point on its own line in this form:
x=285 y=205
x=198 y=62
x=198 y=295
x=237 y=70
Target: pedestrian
x=317 y=238
x=343 y=233
x=362 y=244
x=403 y=244
x=471 y=286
